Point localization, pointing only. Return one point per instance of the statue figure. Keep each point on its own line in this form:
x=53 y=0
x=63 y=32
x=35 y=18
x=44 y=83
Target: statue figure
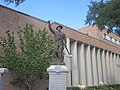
x=60 y=42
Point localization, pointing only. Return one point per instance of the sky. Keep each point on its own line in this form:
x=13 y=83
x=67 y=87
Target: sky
x=71 y=13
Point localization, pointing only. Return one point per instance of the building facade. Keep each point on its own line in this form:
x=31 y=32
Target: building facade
x=95 y=53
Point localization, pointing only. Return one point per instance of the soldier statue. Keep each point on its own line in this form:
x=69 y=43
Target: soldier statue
x=60 y=42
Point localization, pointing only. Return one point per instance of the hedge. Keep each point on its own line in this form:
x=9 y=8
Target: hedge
x=101 y=87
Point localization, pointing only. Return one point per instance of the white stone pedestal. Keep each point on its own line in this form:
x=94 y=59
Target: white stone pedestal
x=2 y=71
x=57 y=77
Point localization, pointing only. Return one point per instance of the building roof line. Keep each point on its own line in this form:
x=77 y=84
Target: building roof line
x=22 y=13
x=46 y=22
x=64 y=26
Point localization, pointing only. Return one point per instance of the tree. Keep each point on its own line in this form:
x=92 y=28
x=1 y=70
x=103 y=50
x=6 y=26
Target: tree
x=16 y=2
x=106 y=14
x=28 y=61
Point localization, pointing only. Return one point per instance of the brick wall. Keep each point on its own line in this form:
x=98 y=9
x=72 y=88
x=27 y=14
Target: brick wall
x=39 y=84
x=11 y=20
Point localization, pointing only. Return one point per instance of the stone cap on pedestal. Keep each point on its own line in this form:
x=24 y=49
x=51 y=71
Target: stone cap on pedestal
x=57 y=69
x=3 y=70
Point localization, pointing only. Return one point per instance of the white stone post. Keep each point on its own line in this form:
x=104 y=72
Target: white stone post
x=108 y=67
x=99 y=66
x=67 y=60
x=112 y=68
x=88 y=66
x=74 y=64
x=94 y=65
x=57 y=77
x=82 y=72
x=104 y=67
x=117 y=63
x=2 y=72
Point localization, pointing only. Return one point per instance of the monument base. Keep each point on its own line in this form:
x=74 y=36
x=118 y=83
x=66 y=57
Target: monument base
x=2 y=72
x=57 y=77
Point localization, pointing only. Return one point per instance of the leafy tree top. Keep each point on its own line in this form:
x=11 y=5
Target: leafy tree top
x=106 y=14
x=16 y=2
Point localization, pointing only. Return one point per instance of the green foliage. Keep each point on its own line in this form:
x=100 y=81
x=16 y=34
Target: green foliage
x=73 y=88
x=29 y=60
x=101 y=87
x=104 y=14
x=16 y=2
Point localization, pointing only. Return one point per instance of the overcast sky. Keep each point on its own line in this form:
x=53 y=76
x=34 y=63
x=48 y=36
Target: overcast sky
x=71 y=13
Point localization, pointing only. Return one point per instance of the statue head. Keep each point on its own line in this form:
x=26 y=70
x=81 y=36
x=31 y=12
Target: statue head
x=59 y=27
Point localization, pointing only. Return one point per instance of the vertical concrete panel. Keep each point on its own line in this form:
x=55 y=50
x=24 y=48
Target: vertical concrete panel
x=1 y=82
x=94 y=66
x=74 y=64
x=99 y=66
x=88 y=66
x=108 y=67
x=117 y=63
x=67 y=61
x=114 y=80
x=119 y=67
x=104 y=67
x=111 y=68
x=82 y=64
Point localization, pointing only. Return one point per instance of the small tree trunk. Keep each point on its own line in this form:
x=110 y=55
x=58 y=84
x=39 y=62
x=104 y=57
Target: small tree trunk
x=29 y=84
x=29 y=87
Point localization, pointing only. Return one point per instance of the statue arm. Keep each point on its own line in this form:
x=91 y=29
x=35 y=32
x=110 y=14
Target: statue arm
x=49 y=26
x=65 y=39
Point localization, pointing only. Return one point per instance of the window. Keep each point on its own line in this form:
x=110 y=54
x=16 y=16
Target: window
x=118 y=42
x=108 y=38
x=104 y=35
x=88 y=33
x=113 y=40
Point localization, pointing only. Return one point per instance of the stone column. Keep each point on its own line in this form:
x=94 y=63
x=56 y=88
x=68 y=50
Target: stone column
x=117 y=63
x=88 y=66
x=119 y=67
x=67 y=60
x=1 y=84
x=104 y=67
x=114 y=68
x=111 y=68
x=82 y=72
x=57 y=77
x=108 y=67
x=74 y=64
x=94 y=66
x=2 y=72
x=99 y=66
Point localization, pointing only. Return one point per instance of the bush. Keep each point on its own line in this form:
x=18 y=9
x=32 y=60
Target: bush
x=101 y=87
x=73 y=88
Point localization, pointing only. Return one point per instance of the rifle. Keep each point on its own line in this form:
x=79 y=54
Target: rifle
x=67 y=50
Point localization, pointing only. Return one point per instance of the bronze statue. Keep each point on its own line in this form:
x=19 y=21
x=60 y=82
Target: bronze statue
x=60 y=42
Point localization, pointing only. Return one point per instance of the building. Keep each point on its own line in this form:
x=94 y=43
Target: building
x=96 y=54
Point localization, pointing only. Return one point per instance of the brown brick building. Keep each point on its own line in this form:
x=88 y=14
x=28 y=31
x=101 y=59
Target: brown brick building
x=95 y=53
